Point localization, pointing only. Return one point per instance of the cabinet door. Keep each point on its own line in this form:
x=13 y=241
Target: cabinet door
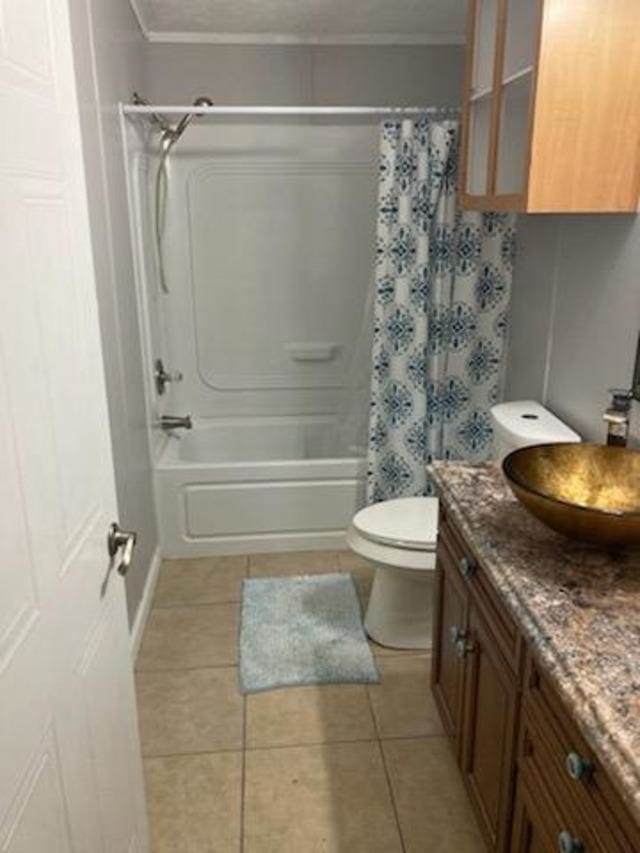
x=479 y=101
x=529 y=834
x=449 y=625
x=490 y=704
x=515 y=93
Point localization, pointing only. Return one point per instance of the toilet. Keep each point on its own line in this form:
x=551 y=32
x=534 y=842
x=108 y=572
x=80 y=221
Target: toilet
x=398 y=537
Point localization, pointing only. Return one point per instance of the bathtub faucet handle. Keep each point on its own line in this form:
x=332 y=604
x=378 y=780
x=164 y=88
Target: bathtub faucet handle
x=169 y=422
x=162 y=376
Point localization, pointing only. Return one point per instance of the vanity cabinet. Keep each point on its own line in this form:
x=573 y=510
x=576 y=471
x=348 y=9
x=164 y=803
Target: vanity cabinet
x=535 y=784
x=551 y=114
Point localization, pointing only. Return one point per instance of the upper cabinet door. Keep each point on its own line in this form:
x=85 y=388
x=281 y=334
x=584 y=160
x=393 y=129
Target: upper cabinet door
x=551 y=118
x=482 y=32
x=515 y=95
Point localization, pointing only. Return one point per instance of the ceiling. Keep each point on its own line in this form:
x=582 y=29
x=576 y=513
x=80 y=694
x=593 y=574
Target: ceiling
x=303 y=21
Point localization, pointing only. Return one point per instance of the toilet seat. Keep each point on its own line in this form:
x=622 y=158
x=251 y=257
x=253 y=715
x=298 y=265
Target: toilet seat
x=401 y=532
x=402 y=523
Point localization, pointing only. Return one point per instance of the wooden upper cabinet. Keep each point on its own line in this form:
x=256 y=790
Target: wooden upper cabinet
x=551 y=108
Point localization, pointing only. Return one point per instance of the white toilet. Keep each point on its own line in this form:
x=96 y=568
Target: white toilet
x=398 y=537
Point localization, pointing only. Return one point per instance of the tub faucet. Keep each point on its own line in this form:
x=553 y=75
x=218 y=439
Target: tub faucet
x=617 y=416
x=168 y=422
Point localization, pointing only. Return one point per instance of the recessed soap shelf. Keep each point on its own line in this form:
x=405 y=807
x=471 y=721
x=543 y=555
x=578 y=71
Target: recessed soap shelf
x=312 y=352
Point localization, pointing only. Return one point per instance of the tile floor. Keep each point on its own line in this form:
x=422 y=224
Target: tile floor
x=337 y=769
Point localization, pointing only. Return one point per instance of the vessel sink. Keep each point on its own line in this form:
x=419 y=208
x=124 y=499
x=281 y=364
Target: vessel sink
x=588 y=492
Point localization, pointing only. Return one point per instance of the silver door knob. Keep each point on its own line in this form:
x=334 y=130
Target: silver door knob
x=125 y=540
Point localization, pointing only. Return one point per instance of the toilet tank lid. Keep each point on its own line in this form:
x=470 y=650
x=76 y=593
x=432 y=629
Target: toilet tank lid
x=402 y=523
x=527 y=422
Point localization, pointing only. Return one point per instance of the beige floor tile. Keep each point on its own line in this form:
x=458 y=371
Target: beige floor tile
x=305 y=715
x=202 y=581
x=197 y=710
x=333 y=799
x=433 y=808
x=177 y=637
x=293 y=563
x=194 y=803
x=402 y=703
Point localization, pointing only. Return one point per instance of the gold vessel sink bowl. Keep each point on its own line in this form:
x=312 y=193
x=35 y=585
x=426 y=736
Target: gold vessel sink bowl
x=588 y=492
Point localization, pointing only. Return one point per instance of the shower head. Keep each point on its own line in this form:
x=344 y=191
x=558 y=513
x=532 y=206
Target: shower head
x=202 y=101
x=171 y=136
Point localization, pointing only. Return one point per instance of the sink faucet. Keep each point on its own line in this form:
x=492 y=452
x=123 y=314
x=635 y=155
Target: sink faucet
x=168 y=422
x=617 y=416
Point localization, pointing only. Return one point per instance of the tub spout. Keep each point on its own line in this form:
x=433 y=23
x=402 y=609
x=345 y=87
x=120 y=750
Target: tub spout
x=169 y=422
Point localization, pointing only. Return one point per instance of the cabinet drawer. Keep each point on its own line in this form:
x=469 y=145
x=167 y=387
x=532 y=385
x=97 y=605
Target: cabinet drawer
x=551 y=744
x=544 y=824
x=483 y=593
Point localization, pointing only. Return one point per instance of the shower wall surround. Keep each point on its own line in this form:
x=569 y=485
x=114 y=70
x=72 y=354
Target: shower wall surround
x=268 y=254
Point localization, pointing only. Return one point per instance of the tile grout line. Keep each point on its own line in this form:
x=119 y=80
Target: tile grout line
x=386 y=773
x=243 y=773
x=297 y=745
x=184 y=605
x=195 y=668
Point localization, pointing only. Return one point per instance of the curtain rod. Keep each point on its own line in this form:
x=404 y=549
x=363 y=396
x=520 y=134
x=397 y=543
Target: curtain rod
x=149 y=109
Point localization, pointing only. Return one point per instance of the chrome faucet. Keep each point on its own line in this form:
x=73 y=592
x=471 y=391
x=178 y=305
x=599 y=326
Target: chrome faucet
x=617 y=416
x=169 y=422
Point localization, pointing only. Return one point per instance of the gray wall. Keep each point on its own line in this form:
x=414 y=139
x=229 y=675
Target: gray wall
x=109 y=60
x=575 y=314
x=232 y=74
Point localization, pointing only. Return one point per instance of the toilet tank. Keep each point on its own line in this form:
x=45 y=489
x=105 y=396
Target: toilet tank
x=525 y=422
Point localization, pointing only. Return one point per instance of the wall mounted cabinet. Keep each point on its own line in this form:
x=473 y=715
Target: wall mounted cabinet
x=551 y=120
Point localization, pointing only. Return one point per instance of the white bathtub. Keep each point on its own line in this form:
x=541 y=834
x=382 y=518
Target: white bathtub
x=264 y=484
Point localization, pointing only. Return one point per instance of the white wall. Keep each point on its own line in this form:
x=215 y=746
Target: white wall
x=109 y=58
x=304 y=75
x=575 y=314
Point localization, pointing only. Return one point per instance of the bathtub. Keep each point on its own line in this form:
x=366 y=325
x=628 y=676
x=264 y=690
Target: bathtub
x=265 y=484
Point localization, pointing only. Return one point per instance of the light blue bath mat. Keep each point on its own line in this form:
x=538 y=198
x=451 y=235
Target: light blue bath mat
x=299 y=630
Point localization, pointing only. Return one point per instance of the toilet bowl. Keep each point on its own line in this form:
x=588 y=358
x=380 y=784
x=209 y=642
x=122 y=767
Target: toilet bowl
x=398 y=537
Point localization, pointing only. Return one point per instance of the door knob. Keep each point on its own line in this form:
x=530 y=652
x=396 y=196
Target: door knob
x=121 y=539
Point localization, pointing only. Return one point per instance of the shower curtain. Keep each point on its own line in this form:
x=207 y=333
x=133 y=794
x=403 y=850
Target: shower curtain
x=442 y=289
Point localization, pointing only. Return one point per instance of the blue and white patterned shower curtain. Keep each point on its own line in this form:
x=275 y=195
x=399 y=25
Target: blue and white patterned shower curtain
x=443 y=282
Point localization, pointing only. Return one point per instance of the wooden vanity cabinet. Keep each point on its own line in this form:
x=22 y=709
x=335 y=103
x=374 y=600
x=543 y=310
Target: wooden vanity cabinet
x=450 y=623
x=475 y=683
x=551 y=114
x=532 y=779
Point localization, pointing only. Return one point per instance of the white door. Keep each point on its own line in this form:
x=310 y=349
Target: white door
x=70 y=768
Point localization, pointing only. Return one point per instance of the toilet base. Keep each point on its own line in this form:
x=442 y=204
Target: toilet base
x=400 y=610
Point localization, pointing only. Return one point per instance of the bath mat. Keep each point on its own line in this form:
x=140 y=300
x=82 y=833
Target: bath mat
x=305 y=629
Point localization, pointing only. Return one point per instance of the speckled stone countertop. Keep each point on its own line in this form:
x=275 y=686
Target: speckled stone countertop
x=578 y=607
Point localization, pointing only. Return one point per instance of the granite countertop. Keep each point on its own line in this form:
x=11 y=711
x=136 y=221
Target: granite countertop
x=578 y=607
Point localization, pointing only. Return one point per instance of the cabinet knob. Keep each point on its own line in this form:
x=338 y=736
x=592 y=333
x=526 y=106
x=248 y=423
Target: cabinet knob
x=464 y=647
x=467 y=567
x=577 y=767
x=568 y=844
x=456 y=634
